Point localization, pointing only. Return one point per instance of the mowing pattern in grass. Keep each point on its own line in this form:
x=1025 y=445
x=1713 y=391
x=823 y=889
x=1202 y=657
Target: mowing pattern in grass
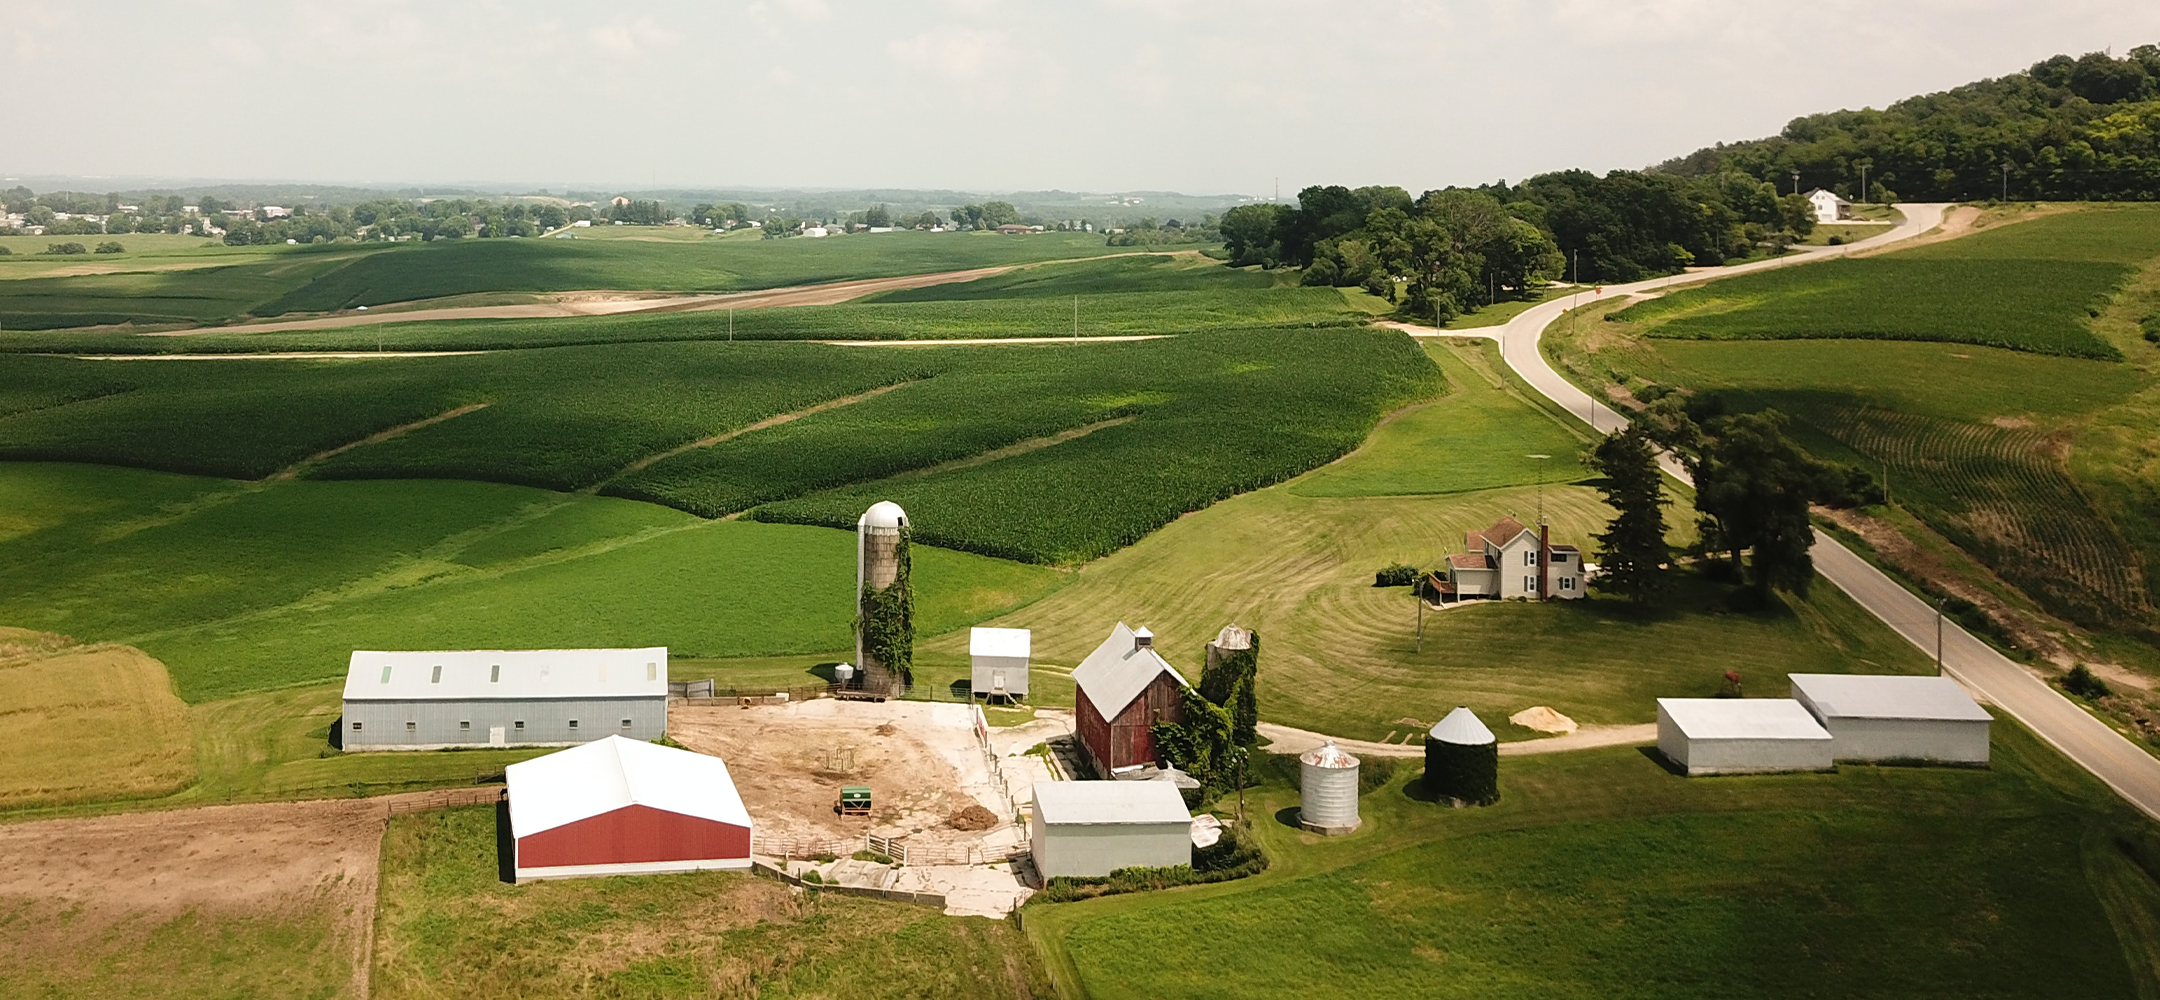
x=1601 y=875
x=447 y=925
x=87 y=722
x=2001 y=494
x=2027 y=287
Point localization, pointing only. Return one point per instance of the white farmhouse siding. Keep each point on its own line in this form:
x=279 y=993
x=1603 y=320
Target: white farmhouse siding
x=1741 y=735
x=1828 y=206
x=1000 y=658
x=1092 y=828
x=1877 y=718
x=1509 y=560
x=494 y=697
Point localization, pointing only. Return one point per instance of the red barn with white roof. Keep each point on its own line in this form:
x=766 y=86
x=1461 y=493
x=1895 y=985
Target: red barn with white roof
x=622 y=807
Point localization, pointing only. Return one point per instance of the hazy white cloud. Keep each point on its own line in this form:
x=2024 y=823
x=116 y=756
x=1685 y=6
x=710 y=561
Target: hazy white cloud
x=1198 y=95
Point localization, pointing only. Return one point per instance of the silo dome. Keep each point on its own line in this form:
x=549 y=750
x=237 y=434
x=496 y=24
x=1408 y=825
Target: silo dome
x=1462 y=760
x=1328 y=790
x=883 y=514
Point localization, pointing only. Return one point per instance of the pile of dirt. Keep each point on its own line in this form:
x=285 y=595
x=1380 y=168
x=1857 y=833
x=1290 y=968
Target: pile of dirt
x=887 y=729
x=973 y=818
x=1543 y=719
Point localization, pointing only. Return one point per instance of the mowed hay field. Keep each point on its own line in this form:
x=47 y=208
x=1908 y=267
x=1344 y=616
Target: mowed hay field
x=1341 y=656
x=1600 y=874
x=2045 y=468
x=448 y=925
x=83 y=722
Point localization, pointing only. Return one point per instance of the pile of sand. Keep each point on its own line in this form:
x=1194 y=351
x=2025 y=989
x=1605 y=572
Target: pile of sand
x=973 y=817
x=1543 y=719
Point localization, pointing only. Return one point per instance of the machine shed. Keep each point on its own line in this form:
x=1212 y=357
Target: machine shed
x=624 y=807
x=1741 y=735
x=1880 y=718
x=496 y=697
x=1093 y=828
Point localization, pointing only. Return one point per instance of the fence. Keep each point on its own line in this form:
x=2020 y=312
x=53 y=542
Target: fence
x=691 y=689
x=443 y=799
x=892 y=847
x=753 y=696
x=923 y=898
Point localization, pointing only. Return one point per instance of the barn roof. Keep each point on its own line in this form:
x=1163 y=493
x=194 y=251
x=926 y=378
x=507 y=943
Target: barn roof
x=1878 y=696
x=1108 y=803
x=1118 y=670
x=605 y=775
x=1742 y=719
x=999 y=642
x=467 y=674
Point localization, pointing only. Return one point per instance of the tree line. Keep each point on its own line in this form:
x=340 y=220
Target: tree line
x=2065 y=129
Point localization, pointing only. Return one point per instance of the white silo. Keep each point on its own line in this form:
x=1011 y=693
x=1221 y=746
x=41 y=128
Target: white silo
x=1328 y=790
x=877 y=567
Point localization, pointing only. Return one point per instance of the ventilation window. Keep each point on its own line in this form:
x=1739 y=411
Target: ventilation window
x=495 y=674
x=411 y=726
x=436 y=678
x=386 y=673
x=464 y=725
x=652 y=671
x=573 y=723
x=519 y=724
x=626 y=723
x=356 y=725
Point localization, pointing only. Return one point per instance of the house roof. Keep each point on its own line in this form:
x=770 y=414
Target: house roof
x=1742 y=719
x=1503 y=531
x=465 y=674
x=1876 y=696
x=1116 y=672
x=1461 y=726
x=614 y=773
x=1470 y=560
x=1563 y=548
x=999 y=642
x=1109 y=803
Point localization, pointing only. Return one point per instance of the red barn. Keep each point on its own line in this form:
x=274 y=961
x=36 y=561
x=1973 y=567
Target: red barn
x=1124 y=688
x=622 y=807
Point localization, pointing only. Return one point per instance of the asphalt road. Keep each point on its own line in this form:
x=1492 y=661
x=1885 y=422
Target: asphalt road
x=1992 y=677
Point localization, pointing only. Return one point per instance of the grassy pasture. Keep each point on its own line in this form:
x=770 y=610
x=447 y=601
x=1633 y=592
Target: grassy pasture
x=50 y=951
x=1600 y=874
x=2032 y=287
x=447 y=924
x=87 y=722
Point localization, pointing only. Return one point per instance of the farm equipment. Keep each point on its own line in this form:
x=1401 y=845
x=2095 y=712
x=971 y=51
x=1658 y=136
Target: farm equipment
x=854 y=800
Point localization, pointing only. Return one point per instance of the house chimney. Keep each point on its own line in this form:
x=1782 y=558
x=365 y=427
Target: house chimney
x=1544 y=562
x=1142 y=639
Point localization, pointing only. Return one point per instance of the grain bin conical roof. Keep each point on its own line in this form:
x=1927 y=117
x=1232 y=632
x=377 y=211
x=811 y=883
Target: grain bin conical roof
x=1328 y=755
x=1463 y=728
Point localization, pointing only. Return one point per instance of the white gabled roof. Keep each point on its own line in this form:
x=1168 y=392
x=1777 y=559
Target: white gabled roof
x=999 y=642
x=1109 y=803
x=605 y=775
x=1743 y=719
x=465 y=674
x=1116 y=672
x=1462 y=727
x=1880 y=696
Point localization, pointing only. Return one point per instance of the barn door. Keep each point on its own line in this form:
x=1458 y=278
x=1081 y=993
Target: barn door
x=495 y=737
x=997 y=681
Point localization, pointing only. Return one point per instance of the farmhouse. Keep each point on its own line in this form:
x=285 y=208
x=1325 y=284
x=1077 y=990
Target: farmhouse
x=1829 y=207
x=1093 y=828
x=1124 y=687
x=493 y=697
x=1509 y=560
x=1741 y=735
x=1000 y=664
x=624 y=807
x=1877 y=718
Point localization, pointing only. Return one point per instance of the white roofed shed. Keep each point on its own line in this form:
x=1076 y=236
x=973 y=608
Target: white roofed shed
x=1000 y=661
x=1092 y=828
x=1741 y=735
x=1878 y=718
x=415 y=700
x=619 y=806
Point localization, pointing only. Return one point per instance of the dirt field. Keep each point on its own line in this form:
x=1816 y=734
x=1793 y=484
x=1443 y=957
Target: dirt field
x=920 y=760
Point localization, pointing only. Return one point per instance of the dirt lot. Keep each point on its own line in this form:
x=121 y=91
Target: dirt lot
x=920 y=760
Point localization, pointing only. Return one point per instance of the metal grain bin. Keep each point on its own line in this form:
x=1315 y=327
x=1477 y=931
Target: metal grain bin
x=1328 y=790
x=1462 y=760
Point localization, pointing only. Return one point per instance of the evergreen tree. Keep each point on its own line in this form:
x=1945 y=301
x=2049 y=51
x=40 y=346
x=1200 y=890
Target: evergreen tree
x=1632 y=547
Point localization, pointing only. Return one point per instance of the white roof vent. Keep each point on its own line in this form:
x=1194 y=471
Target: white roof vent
x=1143 y=639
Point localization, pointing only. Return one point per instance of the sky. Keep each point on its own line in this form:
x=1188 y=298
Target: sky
x=976 y=95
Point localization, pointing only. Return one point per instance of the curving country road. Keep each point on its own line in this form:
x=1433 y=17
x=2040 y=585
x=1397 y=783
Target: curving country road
x=2124 y=766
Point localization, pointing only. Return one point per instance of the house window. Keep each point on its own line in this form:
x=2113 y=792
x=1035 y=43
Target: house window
x=464 y=725
x=1567 y=583
x=436 y=677
x=356 y=725
x=626 y=723
x=411 y=726
x=573 y=723
x=1559 y=557
x=1529 y=583
x=519 y=725
x=1529 y=557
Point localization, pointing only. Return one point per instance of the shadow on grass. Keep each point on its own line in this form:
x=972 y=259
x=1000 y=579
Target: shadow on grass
x=1662 y=761
x=505 y=844
x=1288 y=816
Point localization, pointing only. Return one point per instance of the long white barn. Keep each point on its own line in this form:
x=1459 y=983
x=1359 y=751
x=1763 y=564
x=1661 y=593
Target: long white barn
x=494 y=697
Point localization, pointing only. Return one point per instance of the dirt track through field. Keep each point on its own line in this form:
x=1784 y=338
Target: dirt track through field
x=707 y=442
x=378 y=437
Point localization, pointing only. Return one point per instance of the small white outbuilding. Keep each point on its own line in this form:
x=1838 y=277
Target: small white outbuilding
x=1741 y=735
x=1000 y=658
x=1877 y=718
x=1093 y=828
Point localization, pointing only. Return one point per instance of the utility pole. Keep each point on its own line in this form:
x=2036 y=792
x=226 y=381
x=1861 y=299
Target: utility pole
x=1863 y=183
x=2006 y=181
x=1575 y=256
x=1420 y=599
x=1076 y=317
x=1540 y=486
x=1796 y=182
x=731 y=324
x=1939 y=634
